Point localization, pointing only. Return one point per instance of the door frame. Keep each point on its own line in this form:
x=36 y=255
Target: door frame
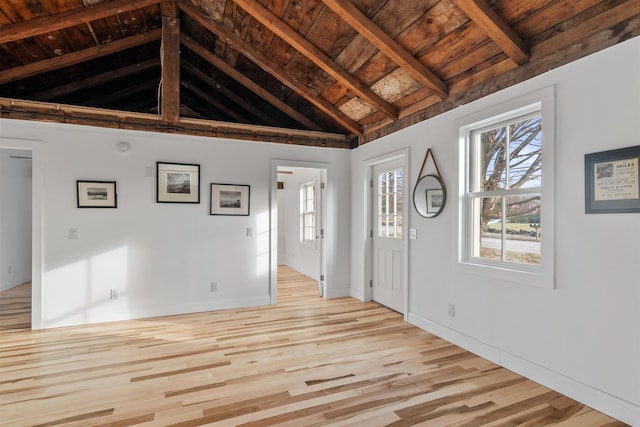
x=37 y=194
x=273 y=223
x=403 y=156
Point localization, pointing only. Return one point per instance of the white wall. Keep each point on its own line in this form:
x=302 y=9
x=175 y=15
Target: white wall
x=581 y=338
x=161 y=257
x=15 y=218
x=302 y=257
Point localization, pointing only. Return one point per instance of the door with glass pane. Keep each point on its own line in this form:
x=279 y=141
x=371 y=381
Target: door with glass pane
x=388 y=247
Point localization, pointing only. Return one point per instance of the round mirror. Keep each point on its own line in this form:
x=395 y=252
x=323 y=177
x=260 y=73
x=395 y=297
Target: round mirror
x=429 y=196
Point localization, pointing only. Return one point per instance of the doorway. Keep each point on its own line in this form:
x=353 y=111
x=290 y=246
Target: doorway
x=36 y=222
x=300 y=226
x=15 y=229
x=388 y=240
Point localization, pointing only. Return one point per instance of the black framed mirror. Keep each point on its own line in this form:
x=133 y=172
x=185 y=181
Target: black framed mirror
x=429 y=196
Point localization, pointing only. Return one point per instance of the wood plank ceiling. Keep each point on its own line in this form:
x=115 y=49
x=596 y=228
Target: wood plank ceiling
x=316 y=72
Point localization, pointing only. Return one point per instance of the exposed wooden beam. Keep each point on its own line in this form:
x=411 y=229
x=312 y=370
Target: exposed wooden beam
x=215 y=103
x=318 y=57
x=496 y=28
x=248 y=83
x=68 y=59
x=270 y=67
x=170 y=60
x=59 y=21
x=60 y=113
x=125 y=92
x=230 y=95
x=169 y=8
x=581 y=40
x=96 y=80
x=376 y=36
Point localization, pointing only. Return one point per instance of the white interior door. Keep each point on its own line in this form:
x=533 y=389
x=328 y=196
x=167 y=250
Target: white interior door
x=388 y=245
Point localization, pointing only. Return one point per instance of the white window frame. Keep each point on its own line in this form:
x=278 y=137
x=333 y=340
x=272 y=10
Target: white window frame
x=542 y=275
x=304 y=212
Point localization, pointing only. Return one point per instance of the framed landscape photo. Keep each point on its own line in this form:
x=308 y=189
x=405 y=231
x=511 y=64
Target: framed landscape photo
x=96 y=194
x=177 y=183
x=229 y=199
x=435 y=198
x=612 y=181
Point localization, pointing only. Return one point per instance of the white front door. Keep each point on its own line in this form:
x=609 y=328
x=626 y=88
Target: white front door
x=388 y=246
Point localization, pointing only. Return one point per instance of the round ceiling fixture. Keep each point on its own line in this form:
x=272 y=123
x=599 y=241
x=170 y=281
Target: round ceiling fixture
x=123 y=146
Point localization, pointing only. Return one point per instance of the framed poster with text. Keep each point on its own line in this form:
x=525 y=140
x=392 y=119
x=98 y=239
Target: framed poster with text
x=612 y=181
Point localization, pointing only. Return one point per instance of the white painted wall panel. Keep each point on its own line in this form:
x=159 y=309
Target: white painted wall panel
x=161 y=257
x=583 y=336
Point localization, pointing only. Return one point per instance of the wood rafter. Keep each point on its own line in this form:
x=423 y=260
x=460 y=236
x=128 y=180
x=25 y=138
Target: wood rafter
x=230 y=95
x=59 y=21
x=68 y=59
x=502 y=34
x=170 y=60
x=126 y=92
x=246 y=82
x=270 y=67
x=588 y=37
x=97 y=80
x=358 y=20
x=306 y=48
x=215 y=103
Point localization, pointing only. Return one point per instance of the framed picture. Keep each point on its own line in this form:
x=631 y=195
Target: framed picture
x=435 y=198
x=97 y=194
x=177 y=183
x=229 y=199
x=612 y=181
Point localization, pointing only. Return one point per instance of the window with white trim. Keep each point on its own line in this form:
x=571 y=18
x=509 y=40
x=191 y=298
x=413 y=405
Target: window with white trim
x=389 y=194
x=308 y=212
x=506 y=214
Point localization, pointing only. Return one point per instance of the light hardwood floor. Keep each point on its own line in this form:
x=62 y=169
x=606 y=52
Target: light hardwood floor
x=305 y=362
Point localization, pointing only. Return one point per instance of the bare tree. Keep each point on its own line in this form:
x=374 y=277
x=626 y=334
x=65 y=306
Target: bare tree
x=511 y=158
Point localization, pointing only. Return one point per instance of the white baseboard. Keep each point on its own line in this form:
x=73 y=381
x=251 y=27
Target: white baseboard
x=119 y=313
x=338 y=293
x=601 y=401
x=356 y=293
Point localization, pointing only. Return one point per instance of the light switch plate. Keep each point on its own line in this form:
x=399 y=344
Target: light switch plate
x=413 y=234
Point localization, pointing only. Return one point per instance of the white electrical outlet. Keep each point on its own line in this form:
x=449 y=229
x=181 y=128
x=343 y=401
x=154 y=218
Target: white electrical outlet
x=74 y=234
x=214 y=286
x=452 y=310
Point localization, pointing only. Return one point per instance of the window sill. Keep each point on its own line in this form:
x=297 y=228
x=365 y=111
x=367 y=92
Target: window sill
x=535 y=276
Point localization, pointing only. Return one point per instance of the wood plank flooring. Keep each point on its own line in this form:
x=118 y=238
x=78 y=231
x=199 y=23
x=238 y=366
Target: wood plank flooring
x=305 y=362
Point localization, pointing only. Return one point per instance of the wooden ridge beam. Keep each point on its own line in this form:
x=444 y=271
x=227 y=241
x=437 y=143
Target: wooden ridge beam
x=77 y=57
x=270 y=67
x=306 y=48
x=71 y=18
x=376 y=36
x=246 y=82
x=496 y=28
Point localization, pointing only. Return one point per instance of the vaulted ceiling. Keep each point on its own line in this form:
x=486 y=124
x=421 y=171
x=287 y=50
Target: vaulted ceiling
x=316 y=72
